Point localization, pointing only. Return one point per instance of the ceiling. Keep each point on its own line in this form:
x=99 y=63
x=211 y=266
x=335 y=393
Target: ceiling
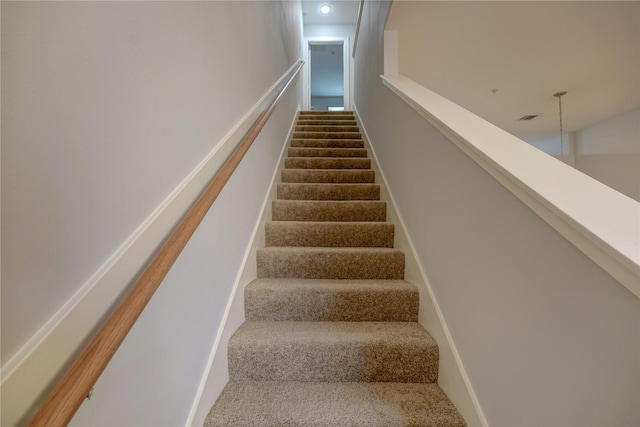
x=343 y=12
x=505 y=59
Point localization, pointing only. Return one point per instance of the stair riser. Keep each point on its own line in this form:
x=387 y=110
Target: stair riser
x=326 y=128
x=330 y=265
x=328 y=234
x=333 y=405
x=290 y=191
x=351 y=365
x=290 y=210
x=327 y=163
x=333 y=176
x=345 y=360
x=325 y=152
x=327 y=135
x=327 y=143
x=339 y=303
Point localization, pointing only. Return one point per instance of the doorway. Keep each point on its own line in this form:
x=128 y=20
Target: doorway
x=327 y=76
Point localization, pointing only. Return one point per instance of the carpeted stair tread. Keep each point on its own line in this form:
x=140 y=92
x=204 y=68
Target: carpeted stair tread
x=331 y=300
x=328 y=210
x=327 y=163
x=328 y=143
x=331 y=336
x=333 y=351
x=304 y=191
x=328 y=135
x=306 y=404
x=327 y=152
x=328 y=118
x=328 y=176
x=324 y=117
x=330 y=263
x=329 y=234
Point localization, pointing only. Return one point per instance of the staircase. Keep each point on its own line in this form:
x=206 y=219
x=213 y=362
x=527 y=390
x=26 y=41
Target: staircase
x=331 y=335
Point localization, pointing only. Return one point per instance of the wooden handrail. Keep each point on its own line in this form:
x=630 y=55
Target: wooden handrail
x=74 y=387
x=355 y=40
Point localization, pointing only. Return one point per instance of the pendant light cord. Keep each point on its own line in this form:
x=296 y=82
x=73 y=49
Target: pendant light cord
x=559 y=95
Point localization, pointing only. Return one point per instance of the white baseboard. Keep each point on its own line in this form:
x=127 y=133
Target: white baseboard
x=452 y=378
x=216 y=374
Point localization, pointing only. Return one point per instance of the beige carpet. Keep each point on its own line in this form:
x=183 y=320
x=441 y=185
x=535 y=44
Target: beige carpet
x=331 y=336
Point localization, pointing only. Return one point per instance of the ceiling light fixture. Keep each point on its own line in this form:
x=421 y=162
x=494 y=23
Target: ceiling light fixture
x=325 y=9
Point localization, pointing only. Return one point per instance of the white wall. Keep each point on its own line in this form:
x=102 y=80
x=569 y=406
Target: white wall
x=323 y=102
x=107 y=108
x=369 y=59
x=545 y=335
x=327 y=70
x=610 y=152
x=316 y=31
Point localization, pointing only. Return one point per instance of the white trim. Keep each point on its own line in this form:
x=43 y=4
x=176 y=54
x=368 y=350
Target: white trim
x=248 y=256
x=408 y=245
x=306 y=100
x=599 y=221
x=31 y=369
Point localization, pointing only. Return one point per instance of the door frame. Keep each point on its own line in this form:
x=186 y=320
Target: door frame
x=344 y=41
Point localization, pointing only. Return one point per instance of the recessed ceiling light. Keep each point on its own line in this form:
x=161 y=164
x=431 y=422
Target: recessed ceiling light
x=326 y=9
